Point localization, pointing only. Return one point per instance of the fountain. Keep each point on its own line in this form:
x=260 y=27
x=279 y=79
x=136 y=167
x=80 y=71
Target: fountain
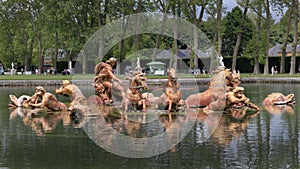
x=13 y=71
x=221 y=63
x=138 y=65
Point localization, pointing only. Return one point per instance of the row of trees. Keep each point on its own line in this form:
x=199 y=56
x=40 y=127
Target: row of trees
x=33 y=29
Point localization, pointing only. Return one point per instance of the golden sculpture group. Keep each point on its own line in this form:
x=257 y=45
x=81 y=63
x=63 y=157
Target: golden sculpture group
x=224 y=94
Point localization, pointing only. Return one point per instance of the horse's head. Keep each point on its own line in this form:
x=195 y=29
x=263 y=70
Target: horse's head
x=172 y=74
x=236 y=78
x=139 y=80
x=228 y=76
x=219 y=75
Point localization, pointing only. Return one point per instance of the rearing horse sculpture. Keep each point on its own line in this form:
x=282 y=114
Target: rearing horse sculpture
x=221 y=78
x=172 y=92
x=78 y=100
x=73 y=91
x=134 y=93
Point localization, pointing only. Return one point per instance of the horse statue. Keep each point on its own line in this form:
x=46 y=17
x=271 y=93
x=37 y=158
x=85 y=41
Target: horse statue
x=78 y=100
x=73 y=91
x=137 y=83
x=217 y=88
x=156 y=102
x=172 y=93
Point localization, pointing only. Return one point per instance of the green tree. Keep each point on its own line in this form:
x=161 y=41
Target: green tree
x=238 y=32
x=213 y=28
x=7 y=33
x=268 y=19
x=281 y=35
x=164 y=7
x=262 y=11
x=295 y=9
x=195 y=16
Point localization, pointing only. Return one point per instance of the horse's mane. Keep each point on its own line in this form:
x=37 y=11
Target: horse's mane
x=135 y=77
x=219 y=76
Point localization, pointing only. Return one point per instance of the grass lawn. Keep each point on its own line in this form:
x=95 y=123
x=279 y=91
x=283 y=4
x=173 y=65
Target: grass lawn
x=45 y=77
x=91 y=76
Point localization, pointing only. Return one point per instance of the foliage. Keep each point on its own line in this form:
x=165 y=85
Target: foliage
x=235 y=24
x=33 y=29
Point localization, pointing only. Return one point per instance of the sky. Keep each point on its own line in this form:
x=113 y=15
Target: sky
x=232 y=3
x=229 y=4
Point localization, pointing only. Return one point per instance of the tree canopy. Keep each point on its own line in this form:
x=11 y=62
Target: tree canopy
x=32 y=30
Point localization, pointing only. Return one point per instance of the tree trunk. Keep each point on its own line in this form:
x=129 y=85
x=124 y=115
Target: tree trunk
x=257 y=44
x=26 y=51
x=268 y=22
x=176 y=13
x=101 y=21
x=40 y=54
x=238 y=39
x=101 y=43
x=30 y=52
x=212 y=60
x=120 y=46
x=158 y=37
x=235 y=51
x=137 y=32
x=195 y=38
x=283 y=57
x=174 y=59
x=202 y=12
x=54 y=58
x=199 y=24
x=84 y=63
x=11 y=49
x=295 y=38
x=219 y=27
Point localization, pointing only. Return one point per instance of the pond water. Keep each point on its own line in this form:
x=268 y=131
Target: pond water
x=263 y=140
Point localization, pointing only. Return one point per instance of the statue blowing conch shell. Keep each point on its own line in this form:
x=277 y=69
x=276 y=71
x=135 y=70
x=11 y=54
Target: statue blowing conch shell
x=277 y=103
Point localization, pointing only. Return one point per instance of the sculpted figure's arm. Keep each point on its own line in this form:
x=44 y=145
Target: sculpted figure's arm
x=232 y=99
x=61 y=91
x=114 y=77
x=64 y=90
x=253 y=106
x=42 y=103
x=245 y=100
x=34 y=99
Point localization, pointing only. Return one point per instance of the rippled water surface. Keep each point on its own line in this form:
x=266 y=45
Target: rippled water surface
x=263 y=140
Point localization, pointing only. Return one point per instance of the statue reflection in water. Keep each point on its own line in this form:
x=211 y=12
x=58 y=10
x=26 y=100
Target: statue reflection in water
x=109 y=120
x=42 y=121
x=223 y=127
x=231 y=124
x=277 y=103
